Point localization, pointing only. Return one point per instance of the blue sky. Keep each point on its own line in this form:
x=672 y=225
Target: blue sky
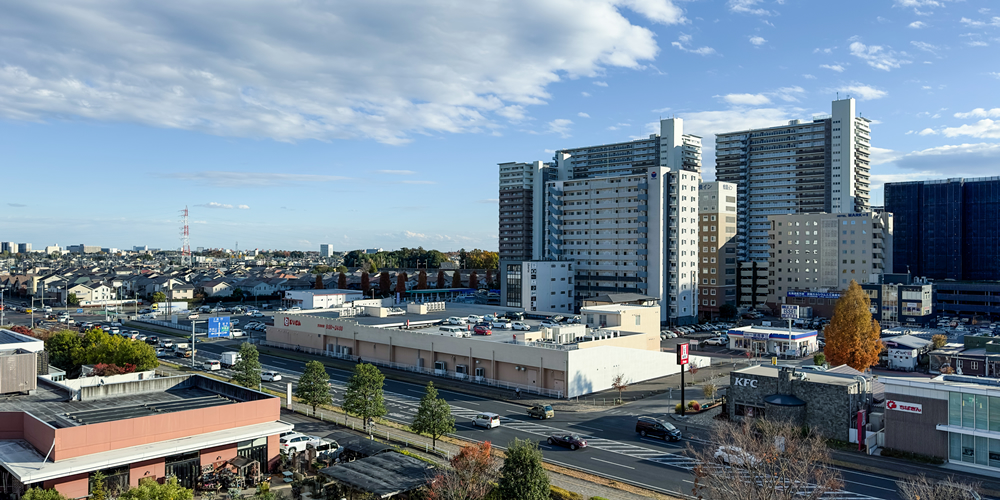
x=380 y=123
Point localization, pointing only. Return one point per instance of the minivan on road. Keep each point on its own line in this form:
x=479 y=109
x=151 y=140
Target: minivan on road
x=652 y=427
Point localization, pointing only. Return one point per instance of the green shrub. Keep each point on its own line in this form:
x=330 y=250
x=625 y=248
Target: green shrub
x=819 y=359
x=692 y=403
x=557 y=493
x=597 y=498
x=696 y=406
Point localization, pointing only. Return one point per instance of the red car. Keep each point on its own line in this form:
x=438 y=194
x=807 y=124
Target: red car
x=571 y=441
x=482 y=330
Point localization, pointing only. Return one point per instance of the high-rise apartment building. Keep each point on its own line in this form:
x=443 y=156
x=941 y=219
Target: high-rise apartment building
x=8 y=246
x=24 y=248
x=325 y=250
x=717 y=242
x=802 y=167
x=754 y=279
x=946 y=229
x=824 y=252
x=625 y=214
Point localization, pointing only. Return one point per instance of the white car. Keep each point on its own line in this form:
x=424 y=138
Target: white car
x=212 y=366
x=234 y=321
x=668 y=335
x=235 y=332
x=474 y=318
x=296 y=442
x=717 y=341
x=455 y=320
x=548 y=324
x=734 y=456
x=270 y=376
x=520 y=326
x=487 y=420
x=812 y=368
x=502 y=324
x=256 y=314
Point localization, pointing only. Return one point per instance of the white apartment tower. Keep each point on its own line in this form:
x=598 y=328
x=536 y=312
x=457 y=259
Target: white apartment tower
x=813 y=166
x=625 y=215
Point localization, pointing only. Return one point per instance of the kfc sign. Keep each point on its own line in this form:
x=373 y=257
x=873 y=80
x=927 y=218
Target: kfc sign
x=683 y=356
x=745 y=382
x=904 y=407
x=291 y=322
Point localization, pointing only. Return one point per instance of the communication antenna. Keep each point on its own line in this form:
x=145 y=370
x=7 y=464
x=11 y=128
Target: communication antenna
x=185 y=238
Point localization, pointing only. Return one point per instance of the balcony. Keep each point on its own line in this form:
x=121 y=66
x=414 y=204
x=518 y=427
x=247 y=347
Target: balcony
x=642 y=274
x=642 y=263
x=643 y=208
x=643 y=241
x=555 y=211
x=643 y=218
x=554 y=192
x=643 y=197
x=643 y=229
x=555 y=201
x=643 y=185
x=554 y=251
x=553 y=239
x=642 y=251
x=642 y=286
x=555 y=230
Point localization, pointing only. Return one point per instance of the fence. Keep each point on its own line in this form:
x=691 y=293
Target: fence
x=168 y=324
x=526 y=389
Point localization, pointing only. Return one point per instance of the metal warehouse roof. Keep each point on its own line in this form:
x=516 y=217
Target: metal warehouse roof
x=384 y=475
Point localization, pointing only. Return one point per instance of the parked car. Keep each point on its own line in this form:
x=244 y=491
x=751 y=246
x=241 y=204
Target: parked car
x=502 y=324
x=487 y=420
x=482 y=330
x=455 y=320
x=520 y=326
x=474 y=318
x=294 y=443
x=152 y=340
x=546 y=323
x=812 y=368
x=256 y=314
x=541 y=412
x=235 y=332
x=734 y=456
x=716 y=341
x=571 y=441
x=327 y=450
x=649 y=426
x=167 y=343
x=270 y=376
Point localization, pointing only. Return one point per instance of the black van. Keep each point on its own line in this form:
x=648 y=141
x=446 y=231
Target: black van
x=649 y=426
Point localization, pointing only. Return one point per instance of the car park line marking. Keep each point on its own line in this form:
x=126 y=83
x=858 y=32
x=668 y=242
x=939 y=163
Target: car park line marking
x=612 y=463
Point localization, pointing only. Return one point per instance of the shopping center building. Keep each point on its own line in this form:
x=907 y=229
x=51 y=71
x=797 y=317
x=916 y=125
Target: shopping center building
x=953 y=417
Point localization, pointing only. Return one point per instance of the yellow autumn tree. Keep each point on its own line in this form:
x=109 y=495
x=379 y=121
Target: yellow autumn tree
x=853 y=337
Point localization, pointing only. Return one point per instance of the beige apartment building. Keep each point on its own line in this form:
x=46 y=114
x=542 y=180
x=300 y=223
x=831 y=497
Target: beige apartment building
x=717 y=211
x=822 y=253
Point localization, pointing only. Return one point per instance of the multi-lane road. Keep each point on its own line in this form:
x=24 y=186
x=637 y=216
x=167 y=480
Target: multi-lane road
x=614 y=449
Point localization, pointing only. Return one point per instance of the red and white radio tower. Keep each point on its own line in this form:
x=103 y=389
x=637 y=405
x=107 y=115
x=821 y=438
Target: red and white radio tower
x=185 y=239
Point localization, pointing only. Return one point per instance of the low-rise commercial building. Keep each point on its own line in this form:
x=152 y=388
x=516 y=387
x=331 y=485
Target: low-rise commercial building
x=764 y=340
x=563 y=361
x=59 y=436
x=826 y=403
x=953 y=417
x=895 y=304
x=543 y=286
x=903 y=352
x=321 y=299
x=968 y=299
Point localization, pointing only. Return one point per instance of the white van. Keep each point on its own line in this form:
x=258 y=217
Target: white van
x=454 y=331
x=487 y=420
x=212 y=365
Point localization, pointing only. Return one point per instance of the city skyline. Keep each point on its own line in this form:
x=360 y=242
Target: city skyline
x=114 y=119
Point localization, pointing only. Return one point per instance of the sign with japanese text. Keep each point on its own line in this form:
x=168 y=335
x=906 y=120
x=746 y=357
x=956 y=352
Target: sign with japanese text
x=789 y=311
x=904 y=407
x=683 y=354
x=218 y=327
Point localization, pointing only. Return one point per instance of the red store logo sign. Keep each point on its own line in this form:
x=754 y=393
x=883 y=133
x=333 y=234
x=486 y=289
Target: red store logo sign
x=904 y=407
x=290 y=322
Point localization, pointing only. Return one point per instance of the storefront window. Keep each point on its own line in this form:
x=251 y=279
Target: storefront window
x=982 y=450
x=955 y=409
x=954 y=446
x=968 y=410
x=968 y=448
x=994 y=414
x=982 y=412
x=995 y=453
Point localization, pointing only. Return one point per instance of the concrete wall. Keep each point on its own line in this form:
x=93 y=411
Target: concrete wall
x=152 y=469
x=210 y=456
x=112 y=390
x=592 y=370
x=917 y=433
x=76 y=486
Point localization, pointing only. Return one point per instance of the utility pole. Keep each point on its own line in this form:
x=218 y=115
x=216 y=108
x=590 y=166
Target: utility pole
x=192 y=343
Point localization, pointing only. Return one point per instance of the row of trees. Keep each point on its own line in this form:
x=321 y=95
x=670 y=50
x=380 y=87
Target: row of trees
x=69 y=351
x=420 y=258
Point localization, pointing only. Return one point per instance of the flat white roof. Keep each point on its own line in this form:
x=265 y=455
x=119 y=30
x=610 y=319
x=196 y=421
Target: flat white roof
x=23 y=461
x=617 y=308
x=332 y=291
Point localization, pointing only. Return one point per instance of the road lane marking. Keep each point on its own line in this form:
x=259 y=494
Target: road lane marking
x=612 y=463
x=585 y=427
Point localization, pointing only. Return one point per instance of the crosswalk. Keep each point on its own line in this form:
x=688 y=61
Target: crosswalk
x=403 y=407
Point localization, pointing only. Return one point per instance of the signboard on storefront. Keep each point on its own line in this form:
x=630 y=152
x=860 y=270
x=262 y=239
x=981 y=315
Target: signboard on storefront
x=683 y=354
x=813 y=295
x=904 y=407
x=789 y=311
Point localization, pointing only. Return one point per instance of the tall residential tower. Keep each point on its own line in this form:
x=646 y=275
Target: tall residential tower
x=802 y=167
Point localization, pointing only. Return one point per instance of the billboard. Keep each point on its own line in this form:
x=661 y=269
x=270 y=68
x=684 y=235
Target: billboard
x=218 y=327
x=683 y=356
x=789 y=311
x=813 y=295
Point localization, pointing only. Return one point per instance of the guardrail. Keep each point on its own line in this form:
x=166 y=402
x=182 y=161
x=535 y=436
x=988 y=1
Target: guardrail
x=168 y=324
x=397 y=437
x=526 y=389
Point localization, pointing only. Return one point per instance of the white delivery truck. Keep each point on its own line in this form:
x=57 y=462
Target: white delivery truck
x=229 y=358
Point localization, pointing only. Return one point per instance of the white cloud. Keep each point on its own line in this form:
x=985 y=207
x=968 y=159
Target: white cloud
x=927 y=131
x=918 y=24
x=312 y=70
x=876 y=56
x=619 y=125
x=823 y=51
x=213 y=204
x=994 y=21
x=585 y=94
x=747 y=7
x=862 y=92
x=583 y=115
x=952 y=160
x=807 y=76
x=879 y=180
x=983 y=129
x=249 y=179
x=243 y=207
x=835 y=67
x=560 y=126
x=417 y=182
x=746 y=99
x=661 y=110
x=977 y=43
x=925 y=47
x=757 y=40
x=395 y=172
x=684 y=43
x=788 y=94
x=601 y=84
x=980 y=113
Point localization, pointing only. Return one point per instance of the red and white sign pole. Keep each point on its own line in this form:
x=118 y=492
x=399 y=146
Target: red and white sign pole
x=683 y=358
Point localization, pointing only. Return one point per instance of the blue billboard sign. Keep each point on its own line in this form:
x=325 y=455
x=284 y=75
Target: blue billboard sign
x=218 y=327
x=79 y=311
x=814 y=295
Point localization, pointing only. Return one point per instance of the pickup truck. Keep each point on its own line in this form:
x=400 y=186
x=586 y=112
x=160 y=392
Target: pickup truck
x=541 y=412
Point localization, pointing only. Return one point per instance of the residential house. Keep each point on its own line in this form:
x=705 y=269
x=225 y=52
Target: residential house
x=903 y=351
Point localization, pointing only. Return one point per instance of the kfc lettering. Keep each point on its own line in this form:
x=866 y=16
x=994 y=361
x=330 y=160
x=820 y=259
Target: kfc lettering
x=745 y=382
x=904 y=407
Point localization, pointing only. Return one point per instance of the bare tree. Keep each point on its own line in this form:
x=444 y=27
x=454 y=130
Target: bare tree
x=763 y=460
x=619 y=383
x=922 y=489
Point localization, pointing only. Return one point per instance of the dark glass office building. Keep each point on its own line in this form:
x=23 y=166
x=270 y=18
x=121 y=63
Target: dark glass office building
x=947 y=229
